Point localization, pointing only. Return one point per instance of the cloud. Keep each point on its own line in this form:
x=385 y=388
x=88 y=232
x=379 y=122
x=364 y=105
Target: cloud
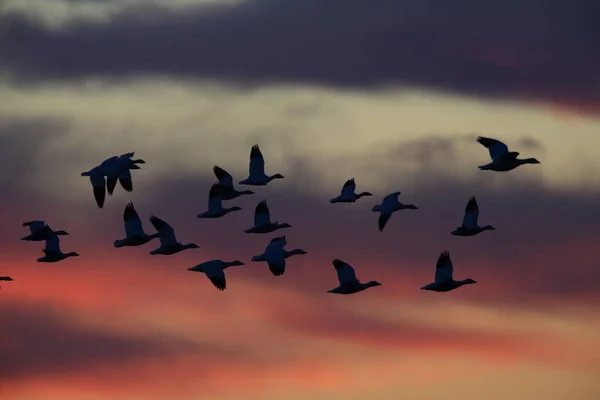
x=546 y=55
x=41 y=340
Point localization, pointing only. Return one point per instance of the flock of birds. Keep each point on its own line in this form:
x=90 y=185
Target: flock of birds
x=105 y=176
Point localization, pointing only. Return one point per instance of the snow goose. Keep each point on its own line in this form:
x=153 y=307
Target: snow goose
x=444 y=282
x=348 y=283
x=40 y=231
x=256 y=171
x=262 y=220
x=214 y=271
x=502 y=159
x=470 y=226
x=134 y=231
x=388 y=206
x=278 y=242
x=6 y=279
x=168 y=243
x=52 y=252
x=348 y=194
x=226 y=182
x=215 y=204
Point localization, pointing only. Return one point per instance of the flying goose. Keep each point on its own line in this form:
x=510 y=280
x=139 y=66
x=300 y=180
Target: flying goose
x=469 y=226
x=5 y=278
x=215 y=204
x=168 y=243
x=275 y=245
x=262 y=220
x=214 y=271
x=388 y=206
x=502 y=159
x=134 y=231
x=444 y=282
x=40 y=231
x=348 y=283
x=226 y=182
x=52 y=252
x=256 y=171
x=348 y=194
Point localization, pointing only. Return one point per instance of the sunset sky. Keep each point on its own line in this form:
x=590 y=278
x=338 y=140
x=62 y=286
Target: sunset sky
x=390 y=92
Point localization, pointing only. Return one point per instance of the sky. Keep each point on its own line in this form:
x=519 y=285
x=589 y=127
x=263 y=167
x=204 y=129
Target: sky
x=392 y=93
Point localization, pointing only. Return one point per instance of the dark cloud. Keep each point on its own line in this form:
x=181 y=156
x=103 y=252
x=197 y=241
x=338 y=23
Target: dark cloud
x=507 y=49
x=39 y=339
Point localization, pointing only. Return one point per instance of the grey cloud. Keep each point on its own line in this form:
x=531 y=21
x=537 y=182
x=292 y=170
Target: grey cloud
x=507 y=49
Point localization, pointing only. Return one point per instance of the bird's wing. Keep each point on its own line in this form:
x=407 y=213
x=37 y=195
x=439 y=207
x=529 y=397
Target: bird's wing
x=496 y=148
x=167 y=233
x=214 y=272
x=257 y=162
x=99 y=186
x=111 y=183
x=383 y=220
x=471 y=214
x=275 y=258
x=389 y=202
x=125 y=180
x=348 y=188
x=133 y=223
x=223 y=176
x=52 y=245
x=215 y=201
x=35 y=226
x=345 y=272
x=262 y=215
x=443 y=268
x=277 y=242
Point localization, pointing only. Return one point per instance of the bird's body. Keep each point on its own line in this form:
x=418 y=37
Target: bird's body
x=40 y=231
x=470 y=226
x=214 y=270
x=228 y=192
x=215 y=203
x=262 y=220
x=256 y=170
x=444 y=280
x=348 y=283
x=5 y=279
x=502 y=159
x=134 y=231
x=275 y=255
x=348 y=194
x=52 y=252
x=388 y=206
x=168 y=242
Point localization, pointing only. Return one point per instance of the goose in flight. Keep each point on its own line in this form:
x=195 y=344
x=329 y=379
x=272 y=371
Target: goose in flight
x=40 y=231
x=388 y=206
x=134 y=231
x=444 y=282
x=470 y=226
x=502 y=158
x=168 y=243
x=5 y=278
x=348 y=283
x=215 y=271
x=348 y=194
x=256 y=171
x=278 y=242
x=275 y=255
x=52 y=252
x=125 y=164
x=215 y=204
x=262 y=220
x=226 y=182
